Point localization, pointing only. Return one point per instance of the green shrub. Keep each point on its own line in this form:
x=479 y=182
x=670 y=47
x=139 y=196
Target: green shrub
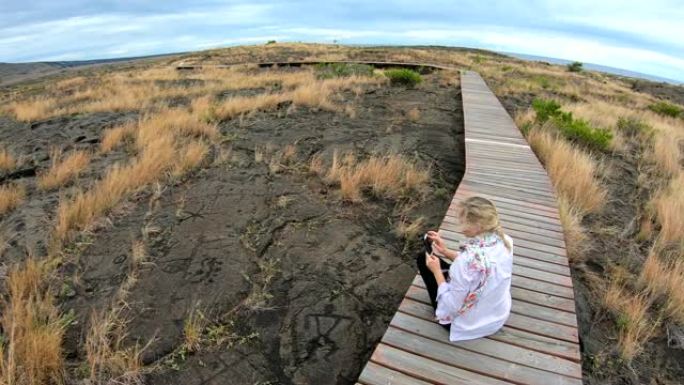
x=403 y=76
x=578 y=130
x=270 y=42
x=575 y=67
x=667 y=109
x=545 y=109
x=337 y=70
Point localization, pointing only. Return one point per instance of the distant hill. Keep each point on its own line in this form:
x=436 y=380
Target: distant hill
x=595 y=67
x=11 y=73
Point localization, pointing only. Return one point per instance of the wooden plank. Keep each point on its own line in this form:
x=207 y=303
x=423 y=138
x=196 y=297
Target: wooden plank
x=522 y=251
x=515 y=321
x=506 y=225
x=521 y=338
x=526 y=295
x=517 y=192
x=426 y=369
x=514 y=214
x=375 y=374
x=529 y=235
x=542 y=287
x=529 y=223
x=514 y=179
x=456 y=355
x=539 y=275
x=488 y=353
x=519 y=307
x=511 y=205
x=501 y=182
x=541 y=265
x=555 y=250
x=543 y=299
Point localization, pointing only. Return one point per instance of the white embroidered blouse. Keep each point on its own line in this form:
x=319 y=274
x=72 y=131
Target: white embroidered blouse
x=476 y=300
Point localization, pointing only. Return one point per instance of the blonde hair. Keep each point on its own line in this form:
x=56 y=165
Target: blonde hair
x=482 y=212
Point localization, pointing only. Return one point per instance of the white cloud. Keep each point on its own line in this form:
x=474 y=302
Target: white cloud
x=644 y=37
x=534 y=42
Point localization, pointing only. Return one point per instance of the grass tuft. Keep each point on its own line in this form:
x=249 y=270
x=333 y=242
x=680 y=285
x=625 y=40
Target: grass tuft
x=114 y=137
x=572 y=172
x=32 y=329
x=389 y=176
x=11 y=196
x=62 y=169
x=7 y=161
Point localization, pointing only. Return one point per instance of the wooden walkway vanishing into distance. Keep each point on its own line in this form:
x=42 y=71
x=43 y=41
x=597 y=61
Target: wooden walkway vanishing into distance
x=538 y=344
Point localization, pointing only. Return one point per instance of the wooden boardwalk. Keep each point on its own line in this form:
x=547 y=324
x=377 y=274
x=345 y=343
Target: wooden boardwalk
x=538 y=344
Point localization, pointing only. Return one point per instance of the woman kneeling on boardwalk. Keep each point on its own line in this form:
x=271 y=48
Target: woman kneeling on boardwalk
x=472 y=296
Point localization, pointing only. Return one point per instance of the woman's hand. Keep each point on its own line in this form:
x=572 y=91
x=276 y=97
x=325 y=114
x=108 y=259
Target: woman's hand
x=438 y=244
x=433 y=264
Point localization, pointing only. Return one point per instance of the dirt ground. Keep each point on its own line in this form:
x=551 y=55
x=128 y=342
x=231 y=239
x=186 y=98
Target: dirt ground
x=330 y=274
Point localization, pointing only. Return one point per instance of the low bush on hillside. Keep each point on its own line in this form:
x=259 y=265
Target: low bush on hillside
x=667 y=109
x=337 y=70
x=575 y=67
x=403 y=77
x=575 y=129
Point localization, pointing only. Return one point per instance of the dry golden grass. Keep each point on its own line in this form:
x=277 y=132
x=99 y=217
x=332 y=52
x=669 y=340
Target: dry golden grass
x=316 y=165
x=413 y=114
x=64 y=169
x=174 y=122
x=410 y=229
x=80 y=212
x=668 y=205
x=140 y=90
x=390 y=176
x=665 y=281
x=7 y=161
x=572 y=172
x=243 y=104
x=635 y=326
x=190 y=157
x=70 y=83
x=631 y=315
x=573 y=231
x=11 y=196
x=161 y=152
x=312 y=93
x=666 y=153
x=109 y=362
x=113 y=137
x=193 y=326
x=32 y=328
x=350 y=186
x=36 y=109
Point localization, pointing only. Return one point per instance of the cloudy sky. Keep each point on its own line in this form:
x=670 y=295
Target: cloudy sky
x=644 y=36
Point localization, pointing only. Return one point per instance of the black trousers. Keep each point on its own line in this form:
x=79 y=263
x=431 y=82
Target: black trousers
x=429 y=279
